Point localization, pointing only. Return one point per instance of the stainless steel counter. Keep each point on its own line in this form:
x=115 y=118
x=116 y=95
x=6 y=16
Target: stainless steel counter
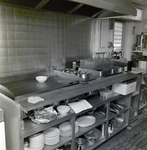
x=63 y=92
x=28 y=86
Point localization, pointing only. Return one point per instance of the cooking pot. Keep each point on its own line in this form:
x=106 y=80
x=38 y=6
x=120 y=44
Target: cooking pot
x=93 y=136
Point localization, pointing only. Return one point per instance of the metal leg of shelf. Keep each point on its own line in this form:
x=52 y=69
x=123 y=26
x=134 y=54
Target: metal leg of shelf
x=107 y=123
x=73 y=133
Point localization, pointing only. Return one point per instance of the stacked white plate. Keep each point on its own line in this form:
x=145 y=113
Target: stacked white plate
x=66 y=129
x=37 y=141
x=52 y=136
x=86 y=121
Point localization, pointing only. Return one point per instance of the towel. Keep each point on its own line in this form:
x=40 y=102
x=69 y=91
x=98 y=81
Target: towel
x=80 y=106
x=35 y=99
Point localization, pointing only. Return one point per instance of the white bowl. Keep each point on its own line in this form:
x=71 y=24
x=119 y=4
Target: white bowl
x=63 y=109
x=41 y=79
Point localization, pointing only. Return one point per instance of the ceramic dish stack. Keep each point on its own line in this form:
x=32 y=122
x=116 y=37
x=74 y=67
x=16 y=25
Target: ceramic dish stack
x=52 y=136
x=37 y=141
x=66 y=129
x=85 y=121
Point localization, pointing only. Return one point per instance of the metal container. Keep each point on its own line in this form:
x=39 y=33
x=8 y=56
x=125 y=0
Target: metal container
x=81 y=143
x=119 y=120
x=67 y=146
x=124 y=88
x=142 y=64
x=110 y=128
x=126 y=68
x=93 y=136
x=85 y=76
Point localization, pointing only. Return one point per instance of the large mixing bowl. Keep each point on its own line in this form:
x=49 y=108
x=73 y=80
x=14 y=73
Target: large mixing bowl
x=93 y=136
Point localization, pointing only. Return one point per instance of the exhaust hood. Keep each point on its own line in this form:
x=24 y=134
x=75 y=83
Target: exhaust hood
x=89 y=8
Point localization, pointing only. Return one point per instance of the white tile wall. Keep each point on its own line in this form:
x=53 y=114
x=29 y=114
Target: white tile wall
x=33 y=40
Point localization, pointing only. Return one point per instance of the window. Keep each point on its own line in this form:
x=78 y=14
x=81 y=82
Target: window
x=119 y=28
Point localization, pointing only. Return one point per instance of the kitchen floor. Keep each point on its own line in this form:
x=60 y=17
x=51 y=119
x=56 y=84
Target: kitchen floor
x=134 y=137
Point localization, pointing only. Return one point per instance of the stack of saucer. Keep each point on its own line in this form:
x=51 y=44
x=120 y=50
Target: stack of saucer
x=66 y=129
x=51 y=136
x=37 y=141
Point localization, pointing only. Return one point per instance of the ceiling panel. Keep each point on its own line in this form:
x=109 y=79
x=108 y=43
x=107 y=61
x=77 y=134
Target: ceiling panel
x=87 y=10
x=60 y=5
x=28 y=3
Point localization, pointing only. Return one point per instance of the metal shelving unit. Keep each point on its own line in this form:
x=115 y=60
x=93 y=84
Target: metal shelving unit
x=16 y=109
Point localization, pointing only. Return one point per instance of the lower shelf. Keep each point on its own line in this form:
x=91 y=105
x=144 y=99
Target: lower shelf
x=96 y=144
x=116 y=130
x=62 y=141
x=83 y=130
x=32 y=128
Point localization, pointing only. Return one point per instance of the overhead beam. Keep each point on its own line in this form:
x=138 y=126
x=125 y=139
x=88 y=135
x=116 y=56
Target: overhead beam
x=41 y=4
x=119 y=6
x=96 y=14
x=75 y=8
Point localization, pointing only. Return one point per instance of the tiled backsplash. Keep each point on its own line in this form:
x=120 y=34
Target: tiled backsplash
x=33 y=40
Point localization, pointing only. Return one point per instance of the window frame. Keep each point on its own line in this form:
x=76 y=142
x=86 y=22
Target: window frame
x=123 y=34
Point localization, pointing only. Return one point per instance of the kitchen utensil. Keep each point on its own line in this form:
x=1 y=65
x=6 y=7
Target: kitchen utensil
x=115 y=108
x=81 y=143
x=41 y=79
